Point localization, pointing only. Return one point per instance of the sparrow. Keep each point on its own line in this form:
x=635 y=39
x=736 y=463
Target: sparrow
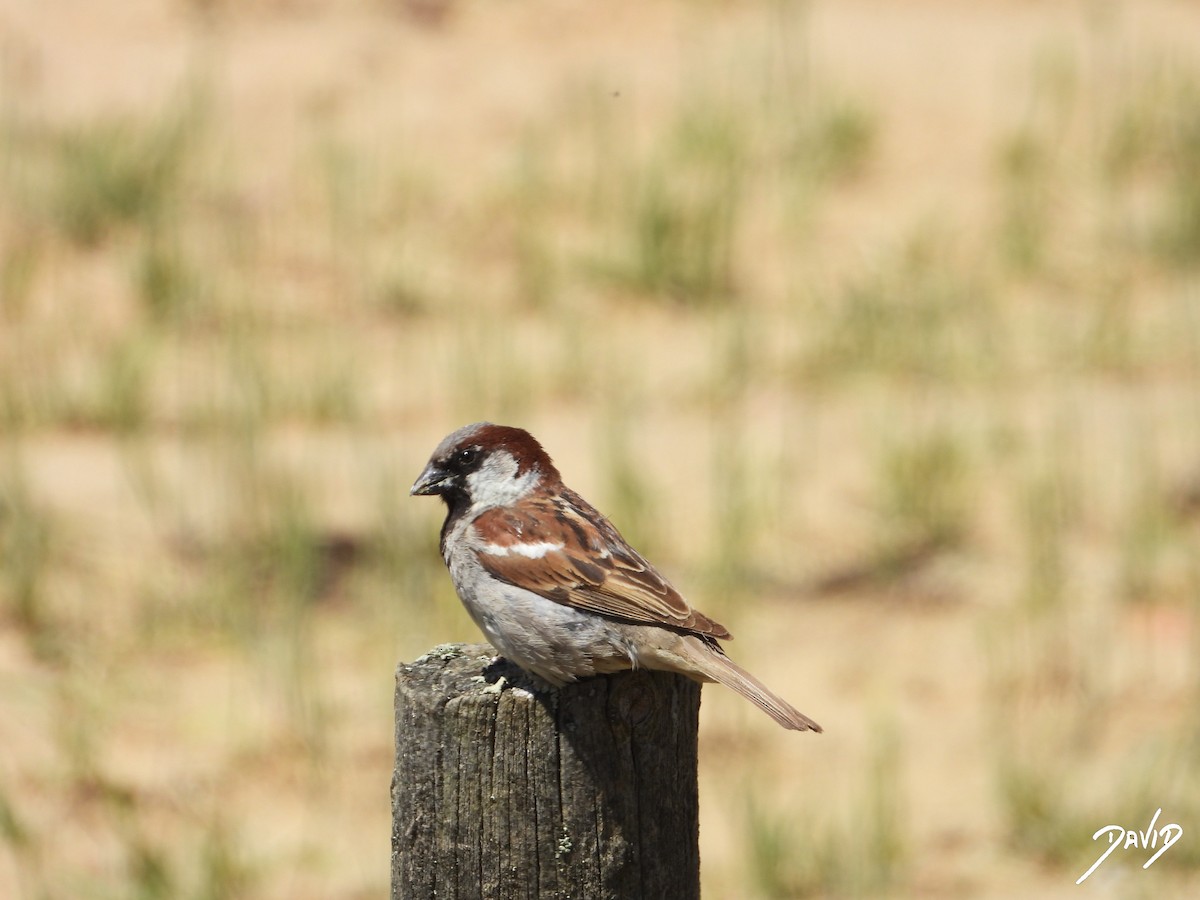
x=551 y=582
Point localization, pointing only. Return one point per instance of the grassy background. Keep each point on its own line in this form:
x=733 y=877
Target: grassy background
x=876 y=325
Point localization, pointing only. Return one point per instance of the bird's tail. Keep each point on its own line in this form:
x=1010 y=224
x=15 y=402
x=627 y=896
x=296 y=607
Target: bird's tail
x=720 y=668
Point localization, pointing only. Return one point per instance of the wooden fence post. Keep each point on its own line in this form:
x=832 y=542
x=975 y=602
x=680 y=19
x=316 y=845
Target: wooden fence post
x=584 y=792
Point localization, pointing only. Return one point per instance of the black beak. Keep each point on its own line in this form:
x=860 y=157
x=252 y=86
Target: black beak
x=431 y=481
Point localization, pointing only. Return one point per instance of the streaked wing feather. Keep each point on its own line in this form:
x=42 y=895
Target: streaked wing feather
x=618 y=583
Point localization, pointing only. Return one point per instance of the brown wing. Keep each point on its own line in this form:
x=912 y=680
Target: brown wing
x=564 y=550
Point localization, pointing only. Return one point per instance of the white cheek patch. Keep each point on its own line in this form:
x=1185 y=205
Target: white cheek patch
x=529 y=551
x=496 y=482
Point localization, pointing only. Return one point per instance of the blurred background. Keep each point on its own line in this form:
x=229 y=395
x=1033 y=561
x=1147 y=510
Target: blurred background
x=875 y=325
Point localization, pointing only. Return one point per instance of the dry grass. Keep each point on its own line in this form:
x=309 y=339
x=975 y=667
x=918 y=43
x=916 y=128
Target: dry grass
x=878 y=327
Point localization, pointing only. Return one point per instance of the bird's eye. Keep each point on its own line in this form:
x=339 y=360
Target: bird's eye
x=466 y=456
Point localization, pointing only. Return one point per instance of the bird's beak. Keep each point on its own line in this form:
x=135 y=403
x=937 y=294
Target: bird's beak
x=431 y=481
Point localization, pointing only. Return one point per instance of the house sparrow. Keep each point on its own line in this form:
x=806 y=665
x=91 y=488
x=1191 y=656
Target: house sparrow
x=551 y=582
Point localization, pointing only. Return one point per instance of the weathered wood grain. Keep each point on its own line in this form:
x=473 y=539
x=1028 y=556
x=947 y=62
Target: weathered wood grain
x=583 y=792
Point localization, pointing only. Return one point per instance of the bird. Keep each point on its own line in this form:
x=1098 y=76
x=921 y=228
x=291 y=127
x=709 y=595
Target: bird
x=551 y=582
